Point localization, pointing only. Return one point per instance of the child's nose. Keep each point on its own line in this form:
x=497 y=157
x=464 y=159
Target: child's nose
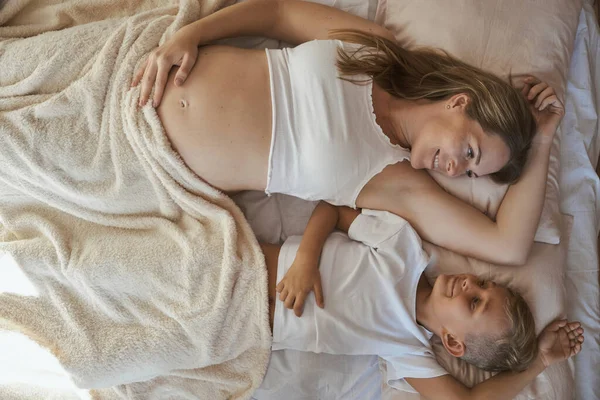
x=468 y=282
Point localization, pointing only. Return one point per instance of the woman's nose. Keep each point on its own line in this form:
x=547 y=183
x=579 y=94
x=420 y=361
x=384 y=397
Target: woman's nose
x=455 y=168
x=452 y=168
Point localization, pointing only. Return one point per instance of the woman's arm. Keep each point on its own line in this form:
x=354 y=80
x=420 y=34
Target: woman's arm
x=449 y=222
x=290 y=20
x=293 y=21
x=559 y=341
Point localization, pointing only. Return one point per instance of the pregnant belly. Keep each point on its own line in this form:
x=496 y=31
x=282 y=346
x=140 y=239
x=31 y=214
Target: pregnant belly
x=219 y=121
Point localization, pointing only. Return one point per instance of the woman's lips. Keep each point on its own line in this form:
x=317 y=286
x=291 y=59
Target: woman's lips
x=436 y=160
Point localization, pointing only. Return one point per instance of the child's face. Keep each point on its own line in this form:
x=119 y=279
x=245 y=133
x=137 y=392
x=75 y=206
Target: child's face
x=465 y=304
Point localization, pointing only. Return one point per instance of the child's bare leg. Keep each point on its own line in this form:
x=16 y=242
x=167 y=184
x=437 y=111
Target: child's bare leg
x=271 y=252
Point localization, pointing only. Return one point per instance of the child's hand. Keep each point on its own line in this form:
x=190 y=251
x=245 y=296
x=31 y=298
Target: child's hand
x=302 y=277
x=559 y=341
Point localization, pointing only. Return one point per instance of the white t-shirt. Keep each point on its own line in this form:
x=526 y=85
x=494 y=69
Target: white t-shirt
x=369 y=280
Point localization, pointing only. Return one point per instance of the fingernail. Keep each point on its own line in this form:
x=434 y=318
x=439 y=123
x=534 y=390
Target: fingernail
x=178 y=81
x=153 y=104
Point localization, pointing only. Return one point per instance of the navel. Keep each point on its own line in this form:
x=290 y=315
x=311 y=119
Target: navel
x=183 y=103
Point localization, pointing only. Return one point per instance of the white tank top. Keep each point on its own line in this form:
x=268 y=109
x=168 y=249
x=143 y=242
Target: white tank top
x=325 y=142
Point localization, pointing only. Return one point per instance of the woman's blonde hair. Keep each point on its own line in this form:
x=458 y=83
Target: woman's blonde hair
x=435 y=75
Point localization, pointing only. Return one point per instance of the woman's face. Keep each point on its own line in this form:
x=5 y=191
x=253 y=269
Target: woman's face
x=449 y=142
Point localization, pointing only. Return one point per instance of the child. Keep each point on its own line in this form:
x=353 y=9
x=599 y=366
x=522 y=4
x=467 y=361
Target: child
x=380 y=303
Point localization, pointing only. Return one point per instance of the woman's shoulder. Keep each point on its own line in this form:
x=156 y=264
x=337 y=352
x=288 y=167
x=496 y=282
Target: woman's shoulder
x=407 y=192
x=402 y=174
x=397 y=180
x=393 y=178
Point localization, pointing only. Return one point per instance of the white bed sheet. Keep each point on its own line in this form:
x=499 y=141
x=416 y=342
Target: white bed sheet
x=305 y=376
x=580 y=197
x=297 y=376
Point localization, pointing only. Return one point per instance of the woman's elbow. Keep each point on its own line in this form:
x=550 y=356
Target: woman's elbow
x=516 y=254
x=516 y=261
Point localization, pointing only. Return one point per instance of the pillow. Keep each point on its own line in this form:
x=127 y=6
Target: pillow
x=540 y=282
x=503 y=36
x=486 y=195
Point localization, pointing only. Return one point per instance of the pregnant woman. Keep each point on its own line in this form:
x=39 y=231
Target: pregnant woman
x=354 y=121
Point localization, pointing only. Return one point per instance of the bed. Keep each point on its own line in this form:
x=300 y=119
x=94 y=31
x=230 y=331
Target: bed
x=572 y=288
x=294 y=375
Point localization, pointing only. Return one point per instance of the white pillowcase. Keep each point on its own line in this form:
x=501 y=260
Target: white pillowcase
x=520 y=37
x=486 y=195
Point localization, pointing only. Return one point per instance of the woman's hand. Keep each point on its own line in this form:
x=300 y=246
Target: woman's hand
x=547 y=109
x=302 y=278
x=182 y=50
x=559 y=341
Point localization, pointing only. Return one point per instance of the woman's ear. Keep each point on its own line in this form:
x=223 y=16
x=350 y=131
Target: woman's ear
x=453 y=345
x=460 y=100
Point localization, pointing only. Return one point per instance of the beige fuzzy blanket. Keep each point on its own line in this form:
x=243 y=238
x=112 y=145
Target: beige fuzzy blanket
x=146 y=282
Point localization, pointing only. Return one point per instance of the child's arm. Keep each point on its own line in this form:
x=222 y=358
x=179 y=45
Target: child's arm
x=346 y=217
x=559 y=341
x=303 y=276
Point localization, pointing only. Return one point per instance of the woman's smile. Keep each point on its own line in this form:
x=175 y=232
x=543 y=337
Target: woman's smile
x=436 y=160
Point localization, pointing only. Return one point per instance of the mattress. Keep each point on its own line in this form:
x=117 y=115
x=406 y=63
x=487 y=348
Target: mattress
x=296 y=375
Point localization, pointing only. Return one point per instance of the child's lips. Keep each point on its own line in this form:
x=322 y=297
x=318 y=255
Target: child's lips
x=451 y=282
x=454 y=280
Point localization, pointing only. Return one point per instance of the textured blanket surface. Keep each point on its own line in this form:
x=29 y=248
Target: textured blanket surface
x=146 y=282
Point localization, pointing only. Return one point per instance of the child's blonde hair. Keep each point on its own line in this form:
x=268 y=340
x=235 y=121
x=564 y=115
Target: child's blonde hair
x=512 y=350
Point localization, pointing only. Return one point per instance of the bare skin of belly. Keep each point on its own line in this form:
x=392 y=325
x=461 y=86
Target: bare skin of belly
x=219 y=121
